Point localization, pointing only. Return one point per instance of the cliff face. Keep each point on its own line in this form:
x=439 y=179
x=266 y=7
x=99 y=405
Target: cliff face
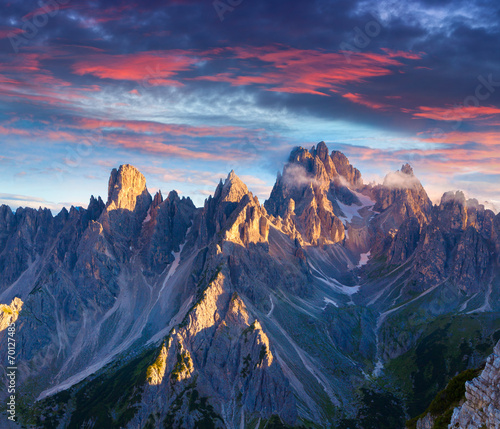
x=400 y=197
x=304 y=196
x=220 y=353
x=481 y=408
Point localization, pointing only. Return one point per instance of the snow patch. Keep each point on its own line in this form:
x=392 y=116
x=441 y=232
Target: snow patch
x=272 y=306
x=363 y=259
x=349 y=212
x=148 y=217
x=337 y=286
x=353 y=210
x=329 y=301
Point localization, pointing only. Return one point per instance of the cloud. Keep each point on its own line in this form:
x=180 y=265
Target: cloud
x=457 y=113
x=400 y=180
x=296 y=176
x=6 y=32
x=150 y=68
x=360 y=99
x=309 y=71
x=151 y=127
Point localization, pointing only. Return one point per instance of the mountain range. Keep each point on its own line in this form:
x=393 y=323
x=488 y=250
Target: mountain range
x=334 y=304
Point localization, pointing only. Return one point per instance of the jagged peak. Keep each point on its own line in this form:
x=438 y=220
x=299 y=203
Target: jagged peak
x=402 y=179
x=407 y=169
x=173 y=195
x=453 y=197
x=95 y=202
x=125 y=184
x=335 y=164
x=299 y=155
x=157 y=200
x=233 y=189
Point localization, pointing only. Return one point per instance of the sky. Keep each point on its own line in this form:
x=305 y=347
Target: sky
x=187 y=90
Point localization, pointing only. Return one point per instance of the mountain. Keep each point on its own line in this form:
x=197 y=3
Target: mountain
x=334 y=304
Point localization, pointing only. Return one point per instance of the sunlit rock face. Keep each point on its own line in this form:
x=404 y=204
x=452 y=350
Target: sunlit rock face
x=234 y=213
x=402 y=196
x=9 y=313
x=223 y=353
x=303 y=200
x=127 y=189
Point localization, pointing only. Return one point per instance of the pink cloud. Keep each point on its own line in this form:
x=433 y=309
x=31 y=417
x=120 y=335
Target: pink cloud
x=360 y=99
x=151 y=67
x=306 y=70
x=457 y=113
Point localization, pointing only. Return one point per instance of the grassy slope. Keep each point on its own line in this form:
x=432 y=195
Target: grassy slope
x=444 y=403
x=442 y=351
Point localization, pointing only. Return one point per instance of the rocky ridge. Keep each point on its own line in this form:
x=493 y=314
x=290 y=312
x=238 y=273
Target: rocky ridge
x=237 y=312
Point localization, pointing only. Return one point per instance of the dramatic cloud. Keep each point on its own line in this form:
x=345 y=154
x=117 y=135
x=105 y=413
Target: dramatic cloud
x=148 y=68
x=86 y=86
x=308 y=71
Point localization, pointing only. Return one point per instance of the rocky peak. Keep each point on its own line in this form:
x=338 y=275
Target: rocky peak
x=300 y=155
x=345 y=169
x=321 y=151
x=407 y=169
x=317 y=160
x=233 y=189
x=126 y=186
x=402 y=196
x=304 y=195
x=95 y=207
x=452 y=212
x=165 y=230
x=157 y=200
x=234 y=213
x=455 y=198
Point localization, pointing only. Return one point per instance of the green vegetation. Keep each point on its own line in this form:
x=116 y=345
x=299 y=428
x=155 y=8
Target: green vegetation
x=444 y=403
x=198 y=408
x=183 y=364
x=246 y=366
x=158 y=367
x=378 y=410
x=443 y=350
x=109 y=399
x=262 y=354
x=274 y=422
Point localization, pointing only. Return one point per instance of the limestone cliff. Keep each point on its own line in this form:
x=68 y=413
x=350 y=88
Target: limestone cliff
x=481 y=408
